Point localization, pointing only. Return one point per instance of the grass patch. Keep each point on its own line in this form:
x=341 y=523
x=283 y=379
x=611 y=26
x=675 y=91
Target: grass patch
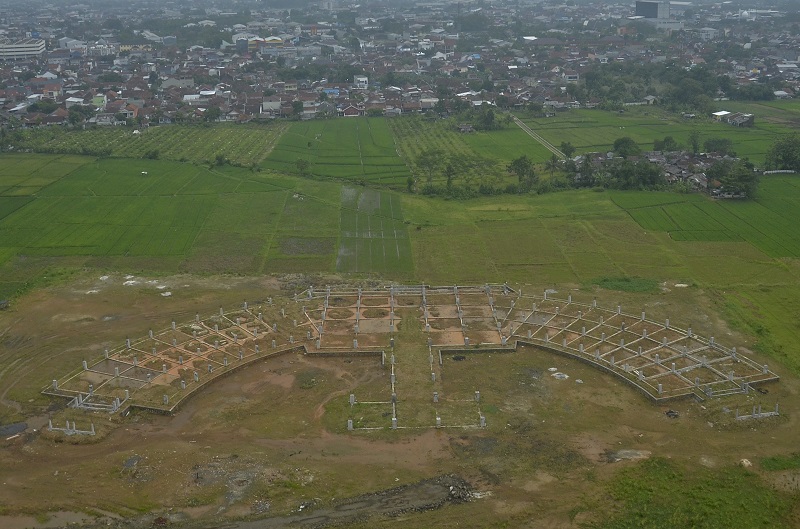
x=627 y=284
x=660 y=493
x=790 y=462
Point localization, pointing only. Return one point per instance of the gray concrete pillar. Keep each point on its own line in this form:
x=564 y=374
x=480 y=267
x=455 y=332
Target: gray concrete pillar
x=350 y=425
x=435 y=396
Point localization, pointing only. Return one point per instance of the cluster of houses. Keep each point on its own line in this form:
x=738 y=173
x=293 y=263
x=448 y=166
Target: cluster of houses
x=374 y=59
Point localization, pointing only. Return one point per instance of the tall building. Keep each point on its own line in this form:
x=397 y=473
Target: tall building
x=17 y=50
x=657 y=14
x=650 y=9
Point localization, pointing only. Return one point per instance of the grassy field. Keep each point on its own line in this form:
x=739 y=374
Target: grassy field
x=358 y=149
x=183 y=217
x=596 y=130
x=241 y=144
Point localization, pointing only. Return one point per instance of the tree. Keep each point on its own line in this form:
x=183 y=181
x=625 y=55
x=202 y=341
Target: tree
x=667 y=144
x=523 y=168
x=626 y=147
x=738 y=178
x=303 y=166
x=718 y=145
x=552 y=164
x=45 y=106
x=567 y=148
x=212 y=114
x=297 y=108
x=785 y=153
x=694 y=141
x=430 y=161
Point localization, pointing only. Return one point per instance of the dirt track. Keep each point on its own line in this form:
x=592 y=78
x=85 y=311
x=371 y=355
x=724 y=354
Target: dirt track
x=421 y=496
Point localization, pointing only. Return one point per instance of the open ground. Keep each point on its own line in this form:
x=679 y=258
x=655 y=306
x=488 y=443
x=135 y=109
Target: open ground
x=273 y=437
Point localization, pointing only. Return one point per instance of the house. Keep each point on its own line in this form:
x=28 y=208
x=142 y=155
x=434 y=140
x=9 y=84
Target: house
x=351 y=111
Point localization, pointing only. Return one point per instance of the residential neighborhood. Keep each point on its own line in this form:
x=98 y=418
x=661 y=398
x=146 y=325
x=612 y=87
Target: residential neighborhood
x=114 y=65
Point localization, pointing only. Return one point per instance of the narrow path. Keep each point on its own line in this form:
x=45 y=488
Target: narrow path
x=530 y=132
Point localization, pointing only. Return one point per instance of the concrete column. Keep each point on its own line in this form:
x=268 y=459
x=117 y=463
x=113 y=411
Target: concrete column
x=350 y=425
x=352 y=399
x=477 y=396
x=438 y=422
x=435 y=396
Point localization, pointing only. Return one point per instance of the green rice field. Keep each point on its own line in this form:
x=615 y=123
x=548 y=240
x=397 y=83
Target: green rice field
x=356 y=149
x=595 y=130
x=240 y=144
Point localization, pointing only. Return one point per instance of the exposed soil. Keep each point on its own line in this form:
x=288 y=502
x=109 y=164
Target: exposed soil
x=271 y=438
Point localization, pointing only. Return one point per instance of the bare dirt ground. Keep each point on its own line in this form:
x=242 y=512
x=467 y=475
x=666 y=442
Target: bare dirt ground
x=270 y=441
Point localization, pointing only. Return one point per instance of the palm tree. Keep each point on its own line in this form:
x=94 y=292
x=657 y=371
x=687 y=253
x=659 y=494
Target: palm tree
x=552 y=164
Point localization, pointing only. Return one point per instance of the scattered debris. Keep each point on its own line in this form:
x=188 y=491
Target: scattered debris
x=762 y=391
x=459 y=358
x=560 y=376
x=103 y=278
x=130 y=282
x=681 y=285
x=93 y=291
x=166 y=294
x=746 y=463
x=552 y=369
x=626 y=454
x=672 y=414
x=578 y=381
